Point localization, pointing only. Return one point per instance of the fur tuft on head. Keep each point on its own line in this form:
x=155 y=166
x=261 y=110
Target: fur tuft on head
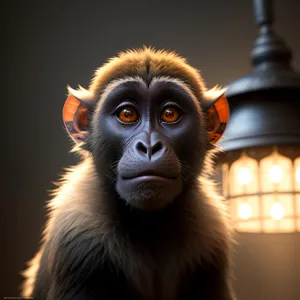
x=147 y=63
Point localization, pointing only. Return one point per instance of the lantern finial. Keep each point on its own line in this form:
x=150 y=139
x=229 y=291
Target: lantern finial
x=269 y=47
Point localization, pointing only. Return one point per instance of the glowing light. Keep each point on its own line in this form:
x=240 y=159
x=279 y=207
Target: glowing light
x=244 y=176
x=263 y=190
x=245 y=211
x=275 y=174
x=277 y=211
x=298 y=174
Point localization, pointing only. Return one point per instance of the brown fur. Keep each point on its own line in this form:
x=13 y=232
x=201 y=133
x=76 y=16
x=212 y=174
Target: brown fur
x=161 y=62
x=196 y=231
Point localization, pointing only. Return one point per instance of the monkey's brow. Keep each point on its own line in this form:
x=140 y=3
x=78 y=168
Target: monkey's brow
x=121 y=82
x=174 y=81
x=134 y=81
x=178 y=84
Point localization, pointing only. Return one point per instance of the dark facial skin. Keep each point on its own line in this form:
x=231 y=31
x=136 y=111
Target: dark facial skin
x=156 y=151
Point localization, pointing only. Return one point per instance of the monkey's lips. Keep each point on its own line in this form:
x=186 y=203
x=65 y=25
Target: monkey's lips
x=149 y=176
x=149 y=190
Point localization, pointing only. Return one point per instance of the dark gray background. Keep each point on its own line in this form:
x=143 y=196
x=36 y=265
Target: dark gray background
x=49 y=44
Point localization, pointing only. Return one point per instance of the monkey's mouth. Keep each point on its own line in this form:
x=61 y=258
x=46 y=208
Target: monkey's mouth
x=148 y=189
x=149 y=175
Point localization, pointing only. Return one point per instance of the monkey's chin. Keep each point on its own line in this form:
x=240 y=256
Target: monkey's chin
x=149 y=193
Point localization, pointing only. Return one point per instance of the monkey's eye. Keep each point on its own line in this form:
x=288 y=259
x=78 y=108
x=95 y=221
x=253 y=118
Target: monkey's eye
x=170 y=115
x=128 y=115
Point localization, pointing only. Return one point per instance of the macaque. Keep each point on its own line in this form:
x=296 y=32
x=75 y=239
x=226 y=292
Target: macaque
x=138 y=218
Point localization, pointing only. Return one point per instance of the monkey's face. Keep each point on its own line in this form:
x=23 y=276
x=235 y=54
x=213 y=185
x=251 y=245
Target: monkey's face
x=142 y=120
x=148 y=140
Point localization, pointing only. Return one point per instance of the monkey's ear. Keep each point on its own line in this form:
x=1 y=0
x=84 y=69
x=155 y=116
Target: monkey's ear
x=217 y=113
x=75 y=113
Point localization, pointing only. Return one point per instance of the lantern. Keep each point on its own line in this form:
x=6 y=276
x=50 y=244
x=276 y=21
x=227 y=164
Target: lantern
x=260 y=169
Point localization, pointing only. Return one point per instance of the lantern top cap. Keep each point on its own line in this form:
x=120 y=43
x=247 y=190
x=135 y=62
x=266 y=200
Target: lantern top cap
x=271 y=58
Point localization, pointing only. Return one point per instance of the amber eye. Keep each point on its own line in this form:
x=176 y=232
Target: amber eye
x=170 y=115
x=128 y=115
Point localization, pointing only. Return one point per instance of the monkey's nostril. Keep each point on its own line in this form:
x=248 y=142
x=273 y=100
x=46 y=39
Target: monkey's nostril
x=157 y=147
x=146 y=150
x=141 y=147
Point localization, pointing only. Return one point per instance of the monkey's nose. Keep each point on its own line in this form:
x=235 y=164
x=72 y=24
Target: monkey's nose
x=147 y=150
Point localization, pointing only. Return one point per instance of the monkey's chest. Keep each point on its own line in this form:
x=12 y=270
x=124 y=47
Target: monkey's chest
x=166 y=285
x=160 y=278
x=158 y=268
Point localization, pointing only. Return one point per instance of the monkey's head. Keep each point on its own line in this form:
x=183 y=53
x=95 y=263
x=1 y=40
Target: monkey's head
x=147 y=120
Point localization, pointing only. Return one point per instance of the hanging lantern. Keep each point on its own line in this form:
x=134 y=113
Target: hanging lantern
x=260 y=169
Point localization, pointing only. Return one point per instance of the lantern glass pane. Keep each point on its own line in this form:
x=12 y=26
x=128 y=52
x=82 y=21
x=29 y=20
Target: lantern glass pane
x=242 y=176
x=247 y=207
x=297 y=204
x=297 y=174
x=276 y=173
x=286 y=201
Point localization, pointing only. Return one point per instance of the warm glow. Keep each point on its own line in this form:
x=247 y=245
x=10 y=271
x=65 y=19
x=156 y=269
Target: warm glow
x=275 y=174
x=277 y=211
x=263 y=191
x=297 y=179
x=245 y=211
x=244 y=176
x=298 y=174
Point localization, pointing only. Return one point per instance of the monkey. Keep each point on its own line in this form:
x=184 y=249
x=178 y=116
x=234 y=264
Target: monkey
x=138 y=217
